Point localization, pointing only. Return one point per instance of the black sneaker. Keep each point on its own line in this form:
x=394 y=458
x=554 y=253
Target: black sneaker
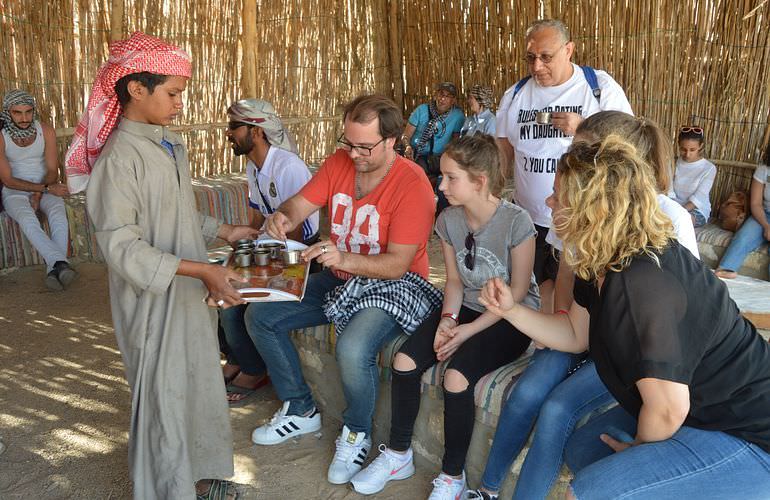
x=479 y=495
x=52 y=281
x=64 y=273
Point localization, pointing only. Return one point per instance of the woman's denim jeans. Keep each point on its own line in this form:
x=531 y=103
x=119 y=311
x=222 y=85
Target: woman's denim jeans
x=561 y=402
x=748 y=238
x=693 y=463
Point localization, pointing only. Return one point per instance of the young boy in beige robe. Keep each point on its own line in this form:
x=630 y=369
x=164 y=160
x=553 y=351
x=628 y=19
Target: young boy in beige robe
x=140 y=199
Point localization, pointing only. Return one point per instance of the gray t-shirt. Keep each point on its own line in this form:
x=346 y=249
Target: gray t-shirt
x=508 y=227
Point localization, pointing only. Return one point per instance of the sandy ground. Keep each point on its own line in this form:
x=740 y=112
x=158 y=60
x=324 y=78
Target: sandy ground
x=64 y=407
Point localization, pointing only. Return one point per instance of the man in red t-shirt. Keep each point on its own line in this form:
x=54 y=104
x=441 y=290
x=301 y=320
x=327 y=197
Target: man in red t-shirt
x=381 y=209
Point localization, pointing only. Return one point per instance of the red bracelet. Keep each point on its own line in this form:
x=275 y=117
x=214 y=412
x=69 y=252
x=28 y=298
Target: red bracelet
x=452 y=316
x=562 y=311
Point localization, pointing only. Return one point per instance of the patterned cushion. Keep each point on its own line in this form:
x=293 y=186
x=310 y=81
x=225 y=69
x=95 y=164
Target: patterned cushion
x=712 y=234
x=225 y=198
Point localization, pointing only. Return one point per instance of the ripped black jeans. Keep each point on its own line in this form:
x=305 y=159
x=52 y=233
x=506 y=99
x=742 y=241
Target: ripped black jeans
x=484 y=352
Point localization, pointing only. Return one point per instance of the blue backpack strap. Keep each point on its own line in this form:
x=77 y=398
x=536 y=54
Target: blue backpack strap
x=519 y=85
x=593 y=82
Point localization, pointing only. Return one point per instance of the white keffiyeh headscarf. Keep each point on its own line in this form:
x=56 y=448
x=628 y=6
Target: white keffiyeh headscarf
x=262 y=114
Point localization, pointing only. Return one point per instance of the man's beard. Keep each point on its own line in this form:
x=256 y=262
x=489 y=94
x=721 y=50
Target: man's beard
x=243 y=149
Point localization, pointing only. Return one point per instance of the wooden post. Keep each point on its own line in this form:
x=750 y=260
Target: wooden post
x=116 y=20
x=395 y=55
x=547 y=12
x=249 y=49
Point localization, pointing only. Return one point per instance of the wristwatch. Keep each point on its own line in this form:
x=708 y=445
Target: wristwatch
x=45 y=188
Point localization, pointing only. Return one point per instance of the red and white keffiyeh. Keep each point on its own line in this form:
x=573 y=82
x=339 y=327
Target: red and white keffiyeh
x=136 y=54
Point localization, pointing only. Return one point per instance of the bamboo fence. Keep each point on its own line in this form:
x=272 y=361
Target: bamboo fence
x=704 y=62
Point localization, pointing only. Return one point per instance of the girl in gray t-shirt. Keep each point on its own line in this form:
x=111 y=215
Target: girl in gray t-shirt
x=482 y=237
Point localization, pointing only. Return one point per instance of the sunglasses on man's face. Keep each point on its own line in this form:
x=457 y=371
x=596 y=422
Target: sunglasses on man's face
x=694 y=130
x=470 y=257
x=235 y=125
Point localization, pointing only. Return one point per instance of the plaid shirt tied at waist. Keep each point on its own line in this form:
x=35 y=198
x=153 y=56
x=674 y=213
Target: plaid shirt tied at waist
x=408 y=300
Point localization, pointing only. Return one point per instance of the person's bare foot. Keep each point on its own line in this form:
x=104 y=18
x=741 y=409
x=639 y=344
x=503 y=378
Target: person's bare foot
x=229 y=372
x=726 y=274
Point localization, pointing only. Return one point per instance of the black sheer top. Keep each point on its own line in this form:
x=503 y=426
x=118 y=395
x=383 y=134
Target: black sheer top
x=675 y=321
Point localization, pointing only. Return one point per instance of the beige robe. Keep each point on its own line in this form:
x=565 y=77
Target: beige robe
x=141 y=202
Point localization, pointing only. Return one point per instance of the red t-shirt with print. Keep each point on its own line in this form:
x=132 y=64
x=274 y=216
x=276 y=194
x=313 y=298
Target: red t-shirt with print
x=399 y=210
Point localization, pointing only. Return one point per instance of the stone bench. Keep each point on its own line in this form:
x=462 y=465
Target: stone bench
x=713 y=242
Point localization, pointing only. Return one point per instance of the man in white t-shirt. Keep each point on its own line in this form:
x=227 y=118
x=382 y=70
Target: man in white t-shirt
x=29 y=169
x=561 y=95
x=275 y=173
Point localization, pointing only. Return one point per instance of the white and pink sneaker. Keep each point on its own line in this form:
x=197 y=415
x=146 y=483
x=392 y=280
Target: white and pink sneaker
x=388 y=466
x=448 y=488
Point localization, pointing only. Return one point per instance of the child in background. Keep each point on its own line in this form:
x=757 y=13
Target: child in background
x=694 y=176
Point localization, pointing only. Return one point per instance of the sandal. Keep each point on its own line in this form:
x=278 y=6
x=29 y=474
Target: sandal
x=245 y=393
x=219 y=489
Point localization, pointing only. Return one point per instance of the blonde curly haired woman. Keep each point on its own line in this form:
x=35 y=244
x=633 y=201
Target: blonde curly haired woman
x=691 y=375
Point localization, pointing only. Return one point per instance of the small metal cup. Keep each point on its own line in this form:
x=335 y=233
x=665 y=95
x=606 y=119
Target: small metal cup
x=274 y=248
x=543 y=118
x=242 y=258
x=291 y=257
x=244 y=242
x=261 y=257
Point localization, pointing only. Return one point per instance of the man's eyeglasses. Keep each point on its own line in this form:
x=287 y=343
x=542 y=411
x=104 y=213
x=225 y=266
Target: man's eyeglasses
x=361 y=150
x=694 y=130
x=544 y=58
x=470 y=257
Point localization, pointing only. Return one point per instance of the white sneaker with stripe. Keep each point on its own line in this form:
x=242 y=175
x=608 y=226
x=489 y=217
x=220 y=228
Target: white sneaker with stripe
x=282 y=426
x=352 y=449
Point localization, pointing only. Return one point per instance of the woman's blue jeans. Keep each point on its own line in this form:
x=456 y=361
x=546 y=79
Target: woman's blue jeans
x=693 y=463
x=748 y=238
x=544 y=392
x=269 y=324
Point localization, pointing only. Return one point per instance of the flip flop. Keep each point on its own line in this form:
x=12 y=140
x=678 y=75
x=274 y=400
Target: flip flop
x=247 y=393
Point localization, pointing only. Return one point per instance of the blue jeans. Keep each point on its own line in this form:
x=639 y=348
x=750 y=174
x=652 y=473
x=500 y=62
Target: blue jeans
x=242 y=351
x=693 y=463
x=748 y=238
x=560 y=407
x=269 y=324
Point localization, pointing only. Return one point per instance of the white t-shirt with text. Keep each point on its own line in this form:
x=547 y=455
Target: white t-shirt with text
x=538 y=148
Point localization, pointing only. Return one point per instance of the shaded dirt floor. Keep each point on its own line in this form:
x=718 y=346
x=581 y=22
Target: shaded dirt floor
x=65 y=407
